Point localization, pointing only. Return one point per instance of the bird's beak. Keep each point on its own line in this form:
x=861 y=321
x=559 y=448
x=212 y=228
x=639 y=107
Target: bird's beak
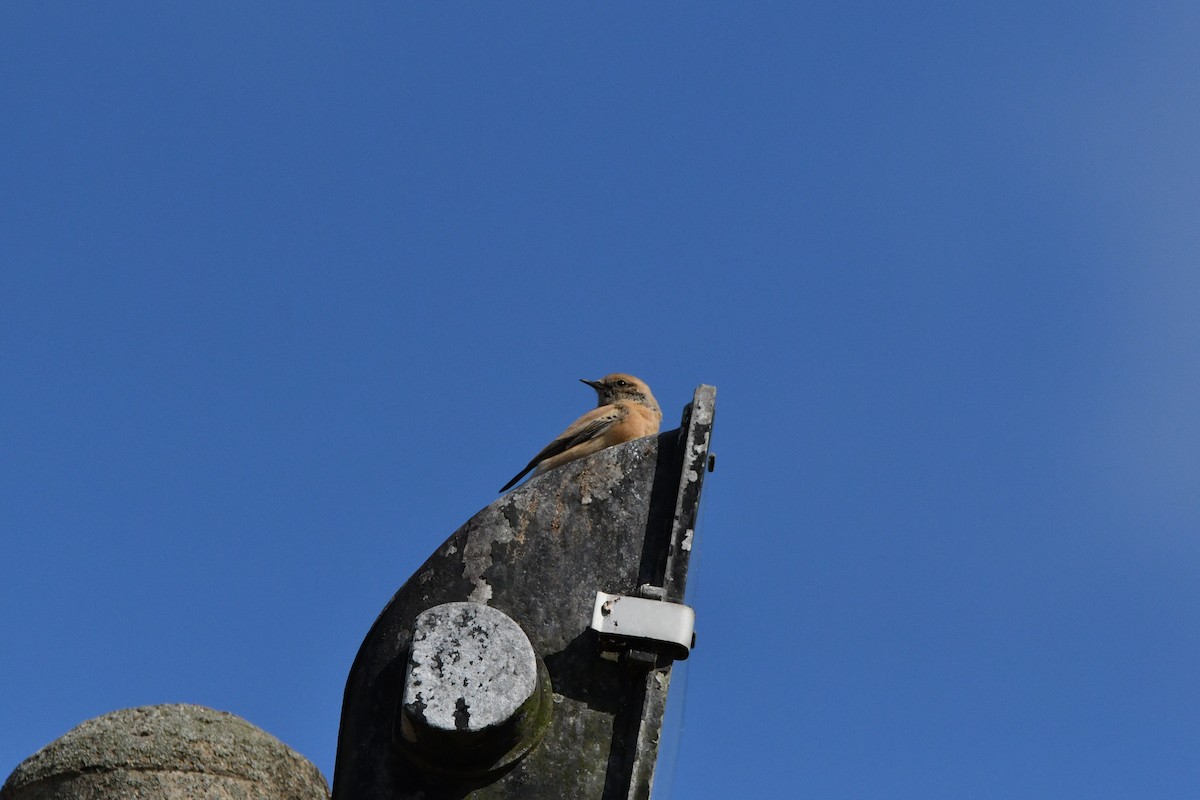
x=594 y=384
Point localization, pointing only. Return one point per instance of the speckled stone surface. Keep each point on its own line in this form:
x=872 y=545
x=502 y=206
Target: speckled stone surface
x=174 y=752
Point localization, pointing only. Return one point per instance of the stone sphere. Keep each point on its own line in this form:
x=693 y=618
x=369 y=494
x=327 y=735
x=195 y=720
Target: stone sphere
x=173 y=752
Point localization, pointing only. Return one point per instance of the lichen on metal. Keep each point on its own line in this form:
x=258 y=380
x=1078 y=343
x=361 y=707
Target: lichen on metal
x=613 y=521
x=469 y=669
x=475 y=697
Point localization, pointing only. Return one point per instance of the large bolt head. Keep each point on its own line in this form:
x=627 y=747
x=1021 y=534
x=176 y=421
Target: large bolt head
x=473 y=690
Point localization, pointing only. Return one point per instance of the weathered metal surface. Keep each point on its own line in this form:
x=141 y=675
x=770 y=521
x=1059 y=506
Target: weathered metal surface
x=646 y=725
x=476 y=697
x=618 y=521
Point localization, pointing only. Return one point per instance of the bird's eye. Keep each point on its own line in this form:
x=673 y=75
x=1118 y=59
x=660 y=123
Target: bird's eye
x=622 y=383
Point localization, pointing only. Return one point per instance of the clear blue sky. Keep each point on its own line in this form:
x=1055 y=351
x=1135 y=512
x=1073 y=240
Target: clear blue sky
x=290 y=289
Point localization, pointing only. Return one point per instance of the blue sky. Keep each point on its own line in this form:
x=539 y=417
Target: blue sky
x=290 y=289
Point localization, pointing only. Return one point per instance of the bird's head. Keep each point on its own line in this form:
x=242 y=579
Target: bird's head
x=620 y=386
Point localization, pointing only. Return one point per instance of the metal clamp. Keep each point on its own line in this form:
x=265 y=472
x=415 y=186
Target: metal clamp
x=636 y=620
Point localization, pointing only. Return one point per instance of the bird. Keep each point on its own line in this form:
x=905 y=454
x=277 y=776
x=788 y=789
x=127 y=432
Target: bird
x=625 y=410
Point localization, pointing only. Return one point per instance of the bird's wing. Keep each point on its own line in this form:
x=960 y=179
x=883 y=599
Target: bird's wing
x=588 y=427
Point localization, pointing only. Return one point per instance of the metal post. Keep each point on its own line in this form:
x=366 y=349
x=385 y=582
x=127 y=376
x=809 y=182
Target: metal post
x=531 y=654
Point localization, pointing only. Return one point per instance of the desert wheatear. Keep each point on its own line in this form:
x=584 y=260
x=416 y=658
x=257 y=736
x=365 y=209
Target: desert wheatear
x=625 y=411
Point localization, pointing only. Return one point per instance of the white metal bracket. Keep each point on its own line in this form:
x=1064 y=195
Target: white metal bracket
x=637 y=620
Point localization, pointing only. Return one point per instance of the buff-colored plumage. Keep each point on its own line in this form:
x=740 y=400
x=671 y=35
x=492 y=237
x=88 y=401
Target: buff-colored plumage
x=626 y=411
